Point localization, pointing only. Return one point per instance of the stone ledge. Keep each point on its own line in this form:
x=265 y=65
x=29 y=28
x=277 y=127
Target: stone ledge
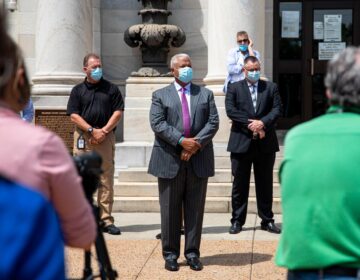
x=213 y=205
x=141 y=175
x=150 y=189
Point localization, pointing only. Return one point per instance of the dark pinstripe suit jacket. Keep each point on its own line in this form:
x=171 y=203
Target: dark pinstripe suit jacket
x=166 y=122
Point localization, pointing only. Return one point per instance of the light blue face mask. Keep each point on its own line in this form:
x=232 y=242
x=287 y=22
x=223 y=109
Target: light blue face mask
x=253 y=76
x=185 y=74
x=243 y=47
x=96 y=74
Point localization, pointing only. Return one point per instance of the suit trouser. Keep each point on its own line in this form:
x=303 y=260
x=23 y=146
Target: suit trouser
x=189 y=191
x=105 y=193
x=263 y=164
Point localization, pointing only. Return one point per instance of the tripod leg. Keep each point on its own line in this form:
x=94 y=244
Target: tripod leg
x=87 y=272
x=106 y=271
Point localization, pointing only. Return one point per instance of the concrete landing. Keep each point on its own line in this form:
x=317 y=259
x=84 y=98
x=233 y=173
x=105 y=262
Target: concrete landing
x=136 y=254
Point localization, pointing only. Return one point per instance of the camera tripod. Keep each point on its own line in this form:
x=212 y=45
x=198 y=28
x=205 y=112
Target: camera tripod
x=105 y=269
x=89 y=168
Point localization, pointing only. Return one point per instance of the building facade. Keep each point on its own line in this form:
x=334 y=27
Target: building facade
x=295 y=39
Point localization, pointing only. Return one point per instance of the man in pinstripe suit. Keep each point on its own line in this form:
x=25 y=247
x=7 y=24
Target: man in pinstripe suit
x=184 y=119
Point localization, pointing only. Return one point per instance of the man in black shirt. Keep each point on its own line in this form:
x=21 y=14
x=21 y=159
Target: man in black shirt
x=96 y=107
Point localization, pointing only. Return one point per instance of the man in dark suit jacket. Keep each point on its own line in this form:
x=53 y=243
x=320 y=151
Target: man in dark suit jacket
x=253 y=105
x=184 y=119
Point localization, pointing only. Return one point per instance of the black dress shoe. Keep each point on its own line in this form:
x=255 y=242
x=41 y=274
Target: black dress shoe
x=171 y=265
x=271 y=227
x=111 y=229
x=235 y=228
x=195 y=264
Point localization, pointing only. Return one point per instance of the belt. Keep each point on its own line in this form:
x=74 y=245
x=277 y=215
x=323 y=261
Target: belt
x=332 y=270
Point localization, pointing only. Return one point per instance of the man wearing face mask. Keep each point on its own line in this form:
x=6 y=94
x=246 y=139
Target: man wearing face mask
x=254 y=106
x=184 y=119
x=96 y=107
x=236 y=56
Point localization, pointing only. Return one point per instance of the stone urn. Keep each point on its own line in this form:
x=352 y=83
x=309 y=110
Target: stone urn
x=154 y=37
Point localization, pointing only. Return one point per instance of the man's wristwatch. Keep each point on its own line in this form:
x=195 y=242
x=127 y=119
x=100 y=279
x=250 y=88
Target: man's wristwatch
x=90 y=130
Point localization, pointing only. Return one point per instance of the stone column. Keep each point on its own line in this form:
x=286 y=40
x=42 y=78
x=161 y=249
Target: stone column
x=225 y=19
x=63 y=37
x=236 y=15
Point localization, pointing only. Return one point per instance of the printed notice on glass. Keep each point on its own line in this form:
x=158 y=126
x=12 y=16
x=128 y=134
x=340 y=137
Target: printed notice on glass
x=290 y=24
x=318 y=30
x=332 y=28
x=328 y=50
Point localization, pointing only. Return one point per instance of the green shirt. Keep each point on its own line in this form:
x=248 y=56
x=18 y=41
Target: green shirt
x=320 y=182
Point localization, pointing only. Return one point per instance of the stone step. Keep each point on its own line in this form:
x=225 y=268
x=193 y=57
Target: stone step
x=142 y=189
x=225 y=163
x=137 y=155
x=213 y=204
x=141 y=175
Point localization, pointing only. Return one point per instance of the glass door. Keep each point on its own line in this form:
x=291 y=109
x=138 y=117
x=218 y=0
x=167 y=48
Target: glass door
x=306 y=35
x=330 y=31
x=288 y=56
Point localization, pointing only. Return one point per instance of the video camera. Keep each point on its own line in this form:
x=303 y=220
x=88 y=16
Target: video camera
x=89 y=168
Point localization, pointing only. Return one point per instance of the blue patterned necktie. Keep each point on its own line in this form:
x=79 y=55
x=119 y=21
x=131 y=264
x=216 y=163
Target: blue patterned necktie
x=253 y=95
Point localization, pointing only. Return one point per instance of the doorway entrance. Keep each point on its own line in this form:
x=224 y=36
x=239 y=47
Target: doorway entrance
x=306 y=35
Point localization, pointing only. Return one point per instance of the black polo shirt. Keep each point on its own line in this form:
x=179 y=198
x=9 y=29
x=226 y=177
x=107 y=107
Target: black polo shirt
x=95 y=103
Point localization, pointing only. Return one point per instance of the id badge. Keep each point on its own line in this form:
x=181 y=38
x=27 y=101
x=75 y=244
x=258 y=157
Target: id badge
x=81 y=143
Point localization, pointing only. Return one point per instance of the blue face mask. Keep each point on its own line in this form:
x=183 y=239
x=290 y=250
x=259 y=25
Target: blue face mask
x=185 y=74
x=253 y=76
x=96 y=74
x=243 y=47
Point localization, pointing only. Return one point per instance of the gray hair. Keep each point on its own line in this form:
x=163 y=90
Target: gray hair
x=175 y=58
x=343 y=78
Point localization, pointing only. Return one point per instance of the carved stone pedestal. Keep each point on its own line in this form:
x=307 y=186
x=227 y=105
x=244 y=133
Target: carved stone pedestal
x=138 y=136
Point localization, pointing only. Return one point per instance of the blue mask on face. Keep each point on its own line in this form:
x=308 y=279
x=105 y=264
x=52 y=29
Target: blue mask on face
x=253 y=76
x=96 y=74
x=185 y=74
x=243 y=47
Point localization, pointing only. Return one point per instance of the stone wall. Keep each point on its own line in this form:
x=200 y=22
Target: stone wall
x=120 y=60
x=112 y=17
x=22 y=26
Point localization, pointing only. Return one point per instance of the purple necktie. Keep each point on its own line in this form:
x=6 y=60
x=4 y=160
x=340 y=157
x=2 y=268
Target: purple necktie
x=185 y=113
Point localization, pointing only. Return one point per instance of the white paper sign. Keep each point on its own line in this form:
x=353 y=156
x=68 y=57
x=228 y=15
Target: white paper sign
x=290 y=24
x=318 y=30
x=332 y=28
x=328 y=50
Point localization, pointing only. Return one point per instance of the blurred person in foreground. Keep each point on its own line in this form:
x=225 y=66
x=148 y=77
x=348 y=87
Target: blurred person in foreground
x=320 y=182
x=36 y=157
x=31 y=242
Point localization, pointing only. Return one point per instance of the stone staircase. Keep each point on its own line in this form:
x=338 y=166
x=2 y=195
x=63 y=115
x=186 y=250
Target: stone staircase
x=137 y=191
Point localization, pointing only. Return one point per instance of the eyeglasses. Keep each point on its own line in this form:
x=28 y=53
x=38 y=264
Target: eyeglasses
x=243 y=41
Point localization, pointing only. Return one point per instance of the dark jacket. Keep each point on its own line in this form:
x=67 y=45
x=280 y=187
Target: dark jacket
x=166 y=122
x=239 y=109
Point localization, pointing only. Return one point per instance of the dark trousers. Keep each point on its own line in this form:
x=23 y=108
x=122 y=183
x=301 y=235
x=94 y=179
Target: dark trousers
x=263 y=164
x=189 y=191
